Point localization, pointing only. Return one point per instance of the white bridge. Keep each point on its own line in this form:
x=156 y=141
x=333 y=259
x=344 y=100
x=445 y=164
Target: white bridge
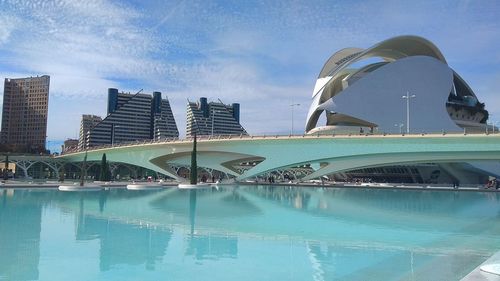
x=247 y=157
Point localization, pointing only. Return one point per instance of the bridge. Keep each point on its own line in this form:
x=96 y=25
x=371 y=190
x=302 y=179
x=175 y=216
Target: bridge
x=247 y=157
x=26 y=163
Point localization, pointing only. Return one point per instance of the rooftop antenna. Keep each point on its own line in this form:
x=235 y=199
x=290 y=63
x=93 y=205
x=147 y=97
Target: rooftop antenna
x=138 y=92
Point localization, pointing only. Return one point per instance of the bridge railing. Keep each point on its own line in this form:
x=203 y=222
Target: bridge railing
x=269 y=136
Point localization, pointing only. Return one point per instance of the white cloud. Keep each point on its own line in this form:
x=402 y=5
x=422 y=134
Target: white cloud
x=97 y=37
x=261 y=54
x=7 y=26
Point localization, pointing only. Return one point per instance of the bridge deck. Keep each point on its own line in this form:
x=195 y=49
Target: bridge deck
x=281 y=137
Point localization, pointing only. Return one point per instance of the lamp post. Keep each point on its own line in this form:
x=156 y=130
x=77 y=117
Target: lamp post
x=493 y=125
x=408 y=97
x=400 y=125
x=293 y=105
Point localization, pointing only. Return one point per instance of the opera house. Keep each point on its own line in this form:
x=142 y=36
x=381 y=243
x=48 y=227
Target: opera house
x=370 y=89
x=381 y=88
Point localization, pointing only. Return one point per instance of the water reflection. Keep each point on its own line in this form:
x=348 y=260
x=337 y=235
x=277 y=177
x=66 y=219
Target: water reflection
x=208 y=203
x=20 y=226
x=122 y=242
x=331 y=201
x=329 y=233
x=192 y=209
x=145 y=239
x=210 y=246
x=103 y=197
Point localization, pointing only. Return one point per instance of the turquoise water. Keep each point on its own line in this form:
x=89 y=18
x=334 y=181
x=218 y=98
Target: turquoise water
x=246 y=233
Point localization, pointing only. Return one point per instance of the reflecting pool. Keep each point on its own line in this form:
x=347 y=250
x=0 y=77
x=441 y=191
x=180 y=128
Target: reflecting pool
x=246 y=233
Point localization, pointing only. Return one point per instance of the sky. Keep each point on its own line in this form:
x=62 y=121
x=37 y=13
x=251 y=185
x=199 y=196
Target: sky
x=265 y=55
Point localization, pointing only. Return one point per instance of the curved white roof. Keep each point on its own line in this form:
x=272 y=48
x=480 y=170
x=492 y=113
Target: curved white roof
x=336 y=76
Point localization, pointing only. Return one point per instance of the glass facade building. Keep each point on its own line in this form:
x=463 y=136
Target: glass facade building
x=24 y=115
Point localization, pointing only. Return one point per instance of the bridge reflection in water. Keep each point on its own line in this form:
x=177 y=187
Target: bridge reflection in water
x=288 y=232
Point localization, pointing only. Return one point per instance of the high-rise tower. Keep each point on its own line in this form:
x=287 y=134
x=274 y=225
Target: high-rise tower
x=24 y=116
x=214 y=118
x=88 y=122
x=133 y=117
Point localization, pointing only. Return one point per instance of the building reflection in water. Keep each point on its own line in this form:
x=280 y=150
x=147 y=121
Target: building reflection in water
x=136 y=229
x=20 y=226
x=208 y=246
x=143 y=242
x=123 y=243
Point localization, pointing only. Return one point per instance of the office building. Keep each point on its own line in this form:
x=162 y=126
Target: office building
x=213 y=119
x=24 y=116
x=134 y=117
x=88 y=122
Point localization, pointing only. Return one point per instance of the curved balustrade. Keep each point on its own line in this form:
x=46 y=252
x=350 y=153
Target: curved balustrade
x=273 y=136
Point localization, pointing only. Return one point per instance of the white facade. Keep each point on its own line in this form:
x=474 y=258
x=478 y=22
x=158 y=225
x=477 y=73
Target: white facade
x=363 y=89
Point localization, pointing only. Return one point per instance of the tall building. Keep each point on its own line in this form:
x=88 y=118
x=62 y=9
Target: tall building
x=214 y=118
x=24 y=116
x=134 y=117
x=88 y=122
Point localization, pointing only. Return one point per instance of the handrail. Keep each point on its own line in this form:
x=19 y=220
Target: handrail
x=233 y=137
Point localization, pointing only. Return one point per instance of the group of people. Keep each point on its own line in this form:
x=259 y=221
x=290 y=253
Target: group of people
x=204 y=178
x=361 y=131
x=493 y=183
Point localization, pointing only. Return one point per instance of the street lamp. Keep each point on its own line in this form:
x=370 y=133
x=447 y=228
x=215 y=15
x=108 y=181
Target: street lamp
x=293 y=105
x=408 y=97
x=400 y=125
x=493 y=125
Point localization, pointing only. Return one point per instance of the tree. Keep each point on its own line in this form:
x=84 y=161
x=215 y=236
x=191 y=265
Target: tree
x=194 y=166
x=104 y=174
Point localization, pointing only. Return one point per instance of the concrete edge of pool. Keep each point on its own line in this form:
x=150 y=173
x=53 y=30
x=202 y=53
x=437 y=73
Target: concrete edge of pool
x=36 y=185
x=478 y=275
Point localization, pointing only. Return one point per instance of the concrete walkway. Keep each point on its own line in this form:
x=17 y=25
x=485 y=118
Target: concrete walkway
x=122 y=184
x=474 y=188
x=479 y=275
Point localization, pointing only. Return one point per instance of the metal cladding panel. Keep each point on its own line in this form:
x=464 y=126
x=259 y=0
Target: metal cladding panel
x=112 y=100
x=156 y=102
x=377 y=97
x=204 y=107
x=236 y=112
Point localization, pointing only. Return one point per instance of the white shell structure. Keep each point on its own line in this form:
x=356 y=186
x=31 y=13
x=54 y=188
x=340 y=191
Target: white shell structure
x=363 y=88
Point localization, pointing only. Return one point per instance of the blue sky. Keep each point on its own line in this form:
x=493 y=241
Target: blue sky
x=263 y=54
